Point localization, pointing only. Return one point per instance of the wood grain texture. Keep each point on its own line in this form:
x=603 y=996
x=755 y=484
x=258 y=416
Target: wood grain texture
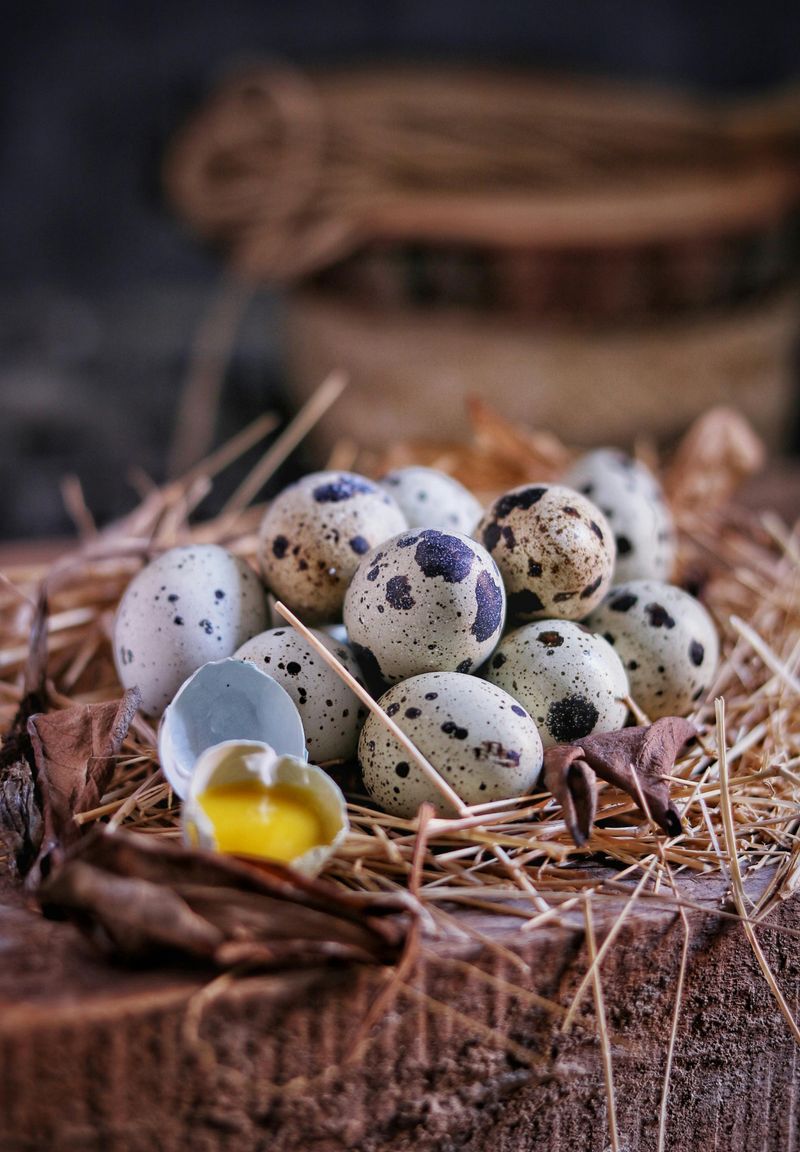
x=98 y=1058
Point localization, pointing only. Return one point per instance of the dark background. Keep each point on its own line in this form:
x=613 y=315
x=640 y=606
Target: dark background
x=101 y=289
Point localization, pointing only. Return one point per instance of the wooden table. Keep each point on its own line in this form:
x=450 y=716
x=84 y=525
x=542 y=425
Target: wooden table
x=99 y=1059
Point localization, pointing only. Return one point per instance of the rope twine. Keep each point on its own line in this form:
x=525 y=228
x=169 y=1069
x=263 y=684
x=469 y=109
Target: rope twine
x=287 y=176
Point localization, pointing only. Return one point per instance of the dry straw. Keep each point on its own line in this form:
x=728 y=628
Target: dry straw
x=738 y=791
x=749 y=810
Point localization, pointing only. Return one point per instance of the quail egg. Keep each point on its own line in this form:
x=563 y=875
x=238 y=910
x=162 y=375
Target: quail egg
x=631 y=499
x=482 y=741
x=554 y=548
x=331 y=713
x=188 y=606
x=666 y=640
x=424 y=601
x=314 y=534
x=570 y=680
x=432 y=499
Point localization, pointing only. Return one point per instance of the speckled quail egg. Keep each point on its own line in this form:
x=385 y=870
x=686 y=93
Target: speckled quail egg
x=479 y=739
x=432 y=499
x=631 y=499
x=554 y=548
x=570 y=680
x=188 y=606
x=666 y=640
x=331 y=713
x=314 y=534
x=424 y=601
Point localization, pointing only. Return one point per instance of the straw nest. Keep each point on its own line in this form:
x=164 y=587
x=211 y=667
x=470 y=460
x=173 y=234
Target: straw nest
x=738 y=791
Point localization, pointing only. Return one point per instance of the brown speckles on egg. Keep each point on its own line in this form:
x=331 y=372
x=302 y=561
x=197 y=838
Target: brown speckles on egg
x=590 y=589
x=490 y=604
x=658 y=616
x=398 y=593
x=550 y=638
x=571 y=717
x=622 y=602
x=472 y=733
x=201 y=605
x=342 y=487
x=668 y=641
x=576 y=685
x=313 y=535
x=329 y=708
x=445 y=600
x=562 y=556
x=633 y=504
x=444 y=554
x=518 y=499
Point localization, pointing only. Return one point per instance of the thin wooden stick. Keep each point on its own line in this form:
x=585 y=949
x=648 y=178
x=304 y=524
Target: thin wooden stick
x=433 y=776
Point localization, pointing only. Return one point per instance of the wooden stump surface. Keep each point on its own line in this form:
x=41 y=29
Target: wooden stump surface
x=98 y=1058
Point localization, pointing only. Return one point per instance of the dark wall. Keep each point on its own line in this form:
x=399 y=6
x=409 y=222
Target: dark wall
x=101 y=290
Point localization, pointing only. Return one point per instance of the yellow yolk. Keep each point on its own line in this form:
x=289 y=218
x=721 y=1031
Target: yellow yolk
x=277 y=822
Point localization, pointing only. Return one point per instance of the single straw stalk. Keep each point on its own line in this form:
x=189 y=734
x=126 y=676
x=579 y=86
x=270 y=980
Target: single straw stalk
x=736 y=874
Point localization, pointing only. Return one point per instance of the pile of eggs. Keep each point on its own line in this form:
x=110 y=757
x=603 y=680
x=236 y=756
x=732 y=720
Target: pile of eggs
x=488 y=634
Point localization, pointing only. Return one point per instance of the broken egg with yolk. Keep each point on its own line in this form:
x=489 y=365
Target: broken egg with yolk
x=246 y=800
x=275 y=821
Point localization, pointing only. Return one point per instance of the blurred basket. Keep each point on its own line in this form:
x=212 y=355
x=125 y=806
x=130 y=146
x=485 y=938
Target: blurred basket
x=602 y=259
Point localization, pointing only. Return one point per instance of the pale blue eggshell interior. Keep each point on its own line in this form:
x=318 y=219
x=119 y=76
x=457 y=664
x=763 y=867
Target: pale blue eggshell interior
x=226 y=700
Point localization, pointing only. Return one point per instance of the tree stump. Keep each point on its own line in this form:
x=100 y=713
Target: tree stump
x=473 y=1056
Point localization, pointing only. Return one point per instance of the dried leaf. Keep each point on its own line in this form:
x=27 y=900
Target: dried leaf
x=716 y=455
x=74 y=751
x=634 y=759
x=571 y=781
x=140 y=899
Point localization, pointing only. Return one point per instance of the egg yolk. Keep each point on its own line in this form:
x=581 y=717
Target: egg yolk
x=276 y=822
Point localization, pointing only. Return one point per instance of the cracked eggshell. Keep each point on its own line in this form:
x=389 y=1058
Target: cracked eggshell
x=630 y=497
x=332 y=715
x=570 y=680
x=554 y=548
x=225 y=700
x=235 y=761
x=314 y=534
x=432 y=499
x=667 y=641
x=188 y=606
x=424 y=601
x=478 y=737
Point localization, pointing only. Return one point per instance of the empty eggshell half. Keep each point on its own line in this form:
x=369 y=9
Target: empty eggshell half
x=236 y=762
x=225 y=700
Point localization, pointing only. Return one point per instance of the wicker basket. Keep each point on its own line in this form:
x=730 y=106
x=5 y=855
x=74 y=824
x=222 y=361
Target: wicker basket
x=605 y=260
x=410 y=371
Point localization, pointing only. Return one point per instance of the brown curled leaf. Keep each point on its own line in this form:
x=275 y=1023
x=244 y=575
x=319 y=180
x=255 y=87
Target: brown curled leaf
x=636 y=760
x=74 y=752
x=145 y=900
x=571 y=781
